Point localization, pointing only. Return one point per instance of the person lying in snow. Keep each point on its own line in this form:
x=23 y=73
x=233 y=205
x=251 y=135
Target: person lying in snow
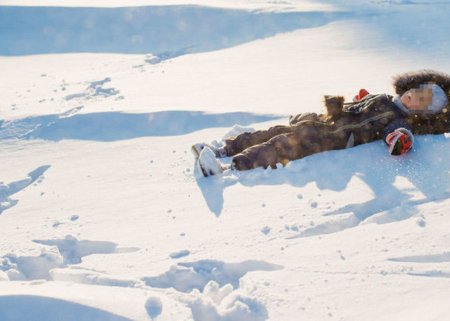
x=420 y=107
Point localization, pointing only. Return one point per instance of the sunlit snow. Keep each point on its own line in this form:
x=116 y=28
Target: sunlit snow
x=104 y=215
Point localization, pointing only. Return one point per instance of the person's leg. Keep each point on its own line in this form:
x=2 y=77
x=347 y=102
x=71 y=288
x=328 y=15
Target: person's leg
x=306 y=139
x=279 y=149
x=243 y=141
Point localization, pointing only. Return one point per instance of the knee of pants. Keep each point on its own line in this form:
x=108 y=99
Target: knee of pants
x=286 y=146
x=262 y=155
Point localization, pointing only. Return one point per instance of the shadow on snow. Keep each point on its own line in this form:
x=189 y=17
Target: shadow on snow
x=165 y=31
x=426 y=168
x=34 y=308
x=114 y=126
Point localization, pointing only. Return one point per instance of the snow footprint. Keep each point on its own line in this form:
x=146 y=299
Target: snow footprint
x=74 y=250
x=53 y=262
x=224 y=303
x=153 y=306
x=14 y=187
x=95 y=89
x=185 y=277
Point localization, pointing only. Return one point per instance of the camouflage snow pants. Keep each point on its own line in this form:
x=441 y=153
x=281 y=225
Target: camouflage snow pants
x=281 y=144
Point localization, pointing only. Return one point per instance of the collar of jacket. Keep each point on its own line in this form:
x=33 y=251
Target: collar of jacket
x=400 y=105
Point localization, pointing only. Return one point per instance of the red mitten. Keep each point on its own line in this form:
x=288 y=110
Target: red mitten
x=400 y=141
x=362 y=93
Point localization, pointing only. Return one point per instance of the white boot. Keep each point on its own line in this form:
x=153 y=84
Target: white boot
x=197 y=149
x=208 y=163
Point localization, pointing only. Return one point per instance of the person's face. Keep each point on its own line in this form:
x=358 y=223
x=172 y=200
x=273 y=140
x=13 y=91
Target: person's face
x=417 y=99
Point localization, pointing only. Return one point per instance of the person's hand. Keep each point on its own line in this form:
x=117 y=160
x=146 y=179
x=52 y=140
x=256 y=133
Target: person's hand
x=400 y=141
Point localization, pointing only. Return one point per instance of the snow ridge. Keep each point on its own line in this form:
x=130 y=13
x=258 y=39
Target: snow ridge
x=161 y=30
x=7 y=190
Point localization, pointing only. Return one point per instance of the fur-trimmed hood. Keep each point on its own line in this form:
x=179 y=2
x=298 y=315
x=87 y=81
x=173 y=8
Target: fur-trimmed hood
x=406 y=81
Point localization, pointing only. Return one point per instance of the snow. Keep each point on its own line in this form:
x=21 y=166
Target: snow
x=105 y=217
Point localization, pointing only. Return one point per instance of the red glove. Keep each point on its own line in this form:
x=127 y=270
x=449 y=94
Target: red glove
x=362 y=93
x=400 y=141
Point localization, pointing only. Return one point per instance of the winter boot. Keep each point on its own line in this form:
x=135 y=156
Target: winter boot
x=197 y=149
x=208 y=163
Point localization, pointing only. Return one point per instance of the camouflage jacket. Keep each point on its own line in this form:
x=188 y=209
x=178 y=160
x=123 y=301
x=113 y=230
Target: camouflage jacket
x=367 y=120
x=375 y=116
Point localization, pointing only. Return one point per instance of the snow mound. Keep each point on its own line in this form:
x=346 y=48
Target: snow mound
x=185 y=277
x=223 y=304
x=51 y=263
x=40 y=308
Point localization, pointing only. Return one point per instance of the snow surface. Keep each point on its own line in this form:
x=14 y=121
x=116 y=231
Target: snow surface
x=104 y=216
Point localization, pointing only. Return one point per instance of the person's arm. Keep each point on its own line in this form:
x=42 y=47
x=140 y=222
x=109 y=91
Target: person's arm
x=293 y=120
x=398 y=137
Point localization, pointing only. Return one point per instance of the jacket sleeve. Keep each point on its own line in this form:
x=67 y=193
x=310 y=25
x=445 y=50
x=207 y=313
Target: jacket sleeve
x=358 y=106
x=393 y=125
x=293 y=120
x=333 y=105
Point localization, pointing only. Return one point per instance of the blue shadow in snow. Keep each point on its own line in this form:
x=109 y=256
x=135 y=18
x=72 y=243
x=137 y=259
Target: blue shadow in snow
x=114 y=126
x=165 y=31
x=31 y=308
x=426 y=168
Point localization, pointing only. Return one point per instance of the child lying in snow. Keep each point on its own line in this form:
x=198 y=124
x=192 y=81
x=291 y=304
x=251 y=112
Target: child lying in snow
x=420 y=107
